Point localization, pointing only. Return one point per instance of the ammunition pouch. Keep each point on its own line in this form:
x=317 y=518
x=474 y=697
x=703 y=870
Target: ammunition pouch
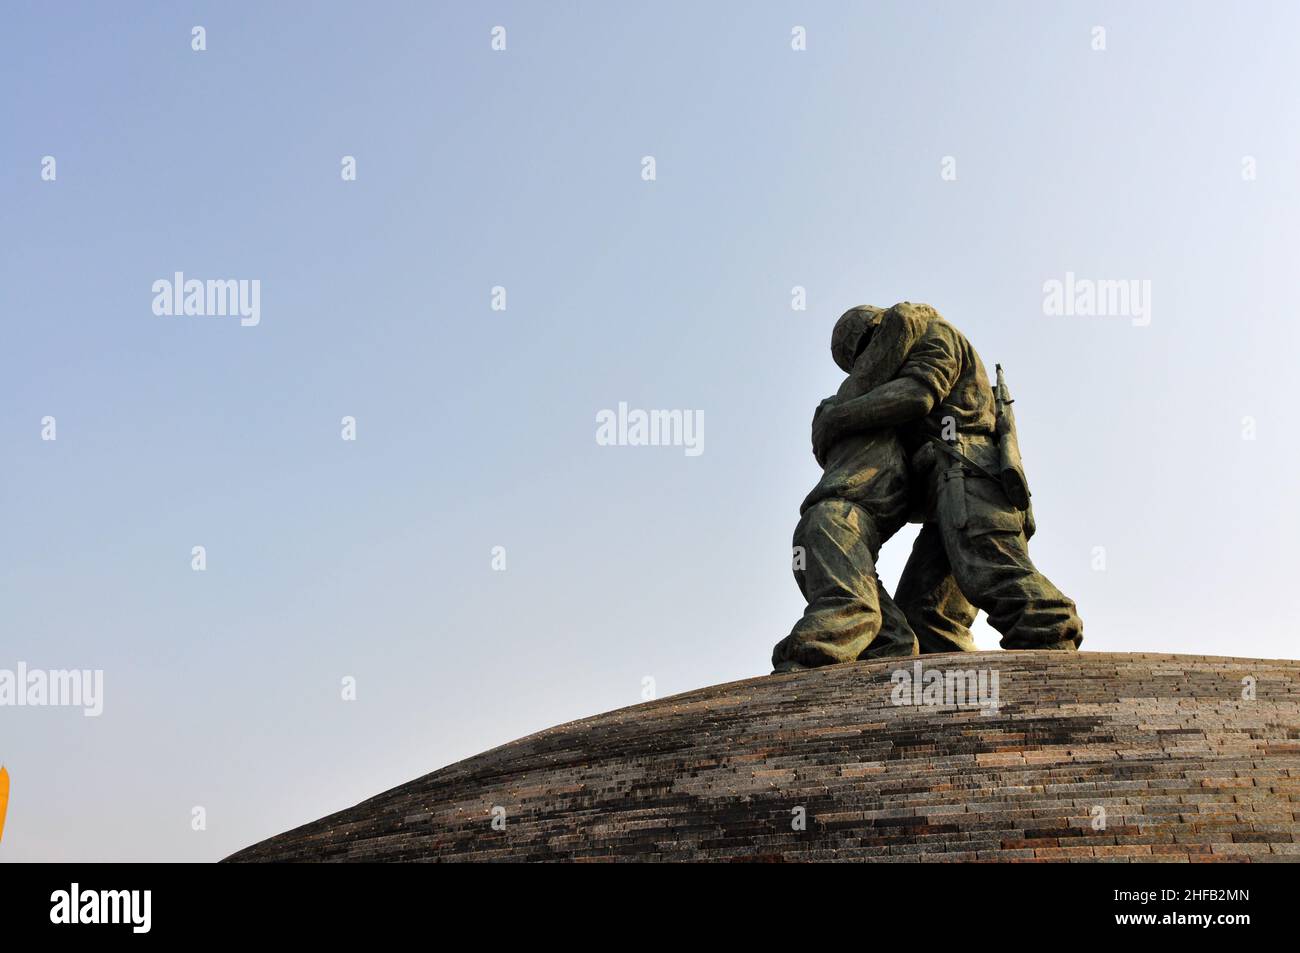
x=952 y=498
x=972 y=498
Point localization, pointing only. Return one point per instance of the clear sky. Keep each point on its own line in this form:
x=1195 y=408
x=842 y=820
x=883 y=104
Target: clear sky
x=475 y=428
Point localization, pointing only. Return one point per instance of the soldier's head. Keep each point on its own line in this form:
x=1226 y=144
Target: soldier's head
x=852 y=333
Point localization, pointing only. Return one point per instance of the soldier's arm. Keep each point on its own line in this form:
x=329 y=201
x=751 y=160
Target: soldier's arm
x=926 y=376
x=852 y=386
x=897 y=402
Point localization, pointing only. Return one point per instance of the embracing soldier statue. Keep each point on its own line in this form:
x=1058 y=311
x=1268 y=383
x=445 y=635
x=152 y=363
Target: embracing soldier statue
x=916 y=432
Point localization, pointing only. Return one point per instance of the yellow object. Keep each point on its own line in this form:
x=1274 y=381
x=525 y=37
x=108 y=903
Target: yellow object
x=4 y=799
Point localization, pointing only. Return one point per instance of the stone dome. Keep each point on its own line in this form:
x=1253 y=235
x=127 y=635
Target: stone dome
x=1085 y=756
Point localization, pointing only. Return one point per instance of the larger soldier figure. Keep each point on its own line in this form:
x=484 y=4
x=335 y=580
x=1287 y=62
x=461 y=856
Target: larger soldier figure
x=972 y=551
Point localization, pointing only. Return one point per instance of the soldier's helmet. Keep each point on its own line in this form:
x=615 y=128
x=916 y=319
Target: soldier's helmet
x=850 y=329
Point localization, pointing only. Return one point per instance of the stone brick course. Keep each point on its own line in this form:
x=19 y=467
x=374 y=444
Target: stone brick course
x=1185 y=768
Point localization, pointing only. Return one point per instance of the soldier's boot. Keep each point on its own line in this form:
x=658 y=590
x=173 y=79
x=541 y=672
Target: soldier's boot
x=836 y=543
x=929 y=596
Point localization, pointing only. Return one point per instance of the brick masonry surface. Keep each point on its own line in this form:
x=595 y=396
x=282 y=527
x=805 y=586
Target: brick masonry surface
x=1183 y=766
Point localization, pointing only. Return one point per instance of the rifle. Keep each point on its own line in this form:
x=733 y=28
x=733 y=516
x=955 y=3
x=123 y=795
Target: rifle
x=1011 y=469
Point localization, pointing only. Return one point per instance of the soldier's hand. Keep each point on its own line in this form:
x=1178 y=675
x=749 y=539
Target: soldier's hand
x=828 y=402
x=824 y=431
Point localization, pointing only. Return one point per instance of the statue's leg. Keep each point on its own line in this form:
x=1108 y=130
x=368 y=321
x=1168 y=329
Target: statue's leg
x=896 y=638
x=835 y=565
x=983 y=535
x=929 y=596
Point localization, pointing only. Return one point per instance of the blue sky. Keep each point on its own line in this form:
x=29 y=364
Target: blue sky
x=476 y=428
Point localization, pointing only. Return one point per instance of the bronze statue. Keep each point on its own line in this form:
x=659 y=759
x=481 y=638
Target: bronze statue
x=917 y=431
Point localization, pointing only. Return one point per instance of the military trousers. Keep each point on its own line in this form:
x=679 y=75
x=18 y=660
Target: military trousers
x=973 y=553
x=849 y=616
